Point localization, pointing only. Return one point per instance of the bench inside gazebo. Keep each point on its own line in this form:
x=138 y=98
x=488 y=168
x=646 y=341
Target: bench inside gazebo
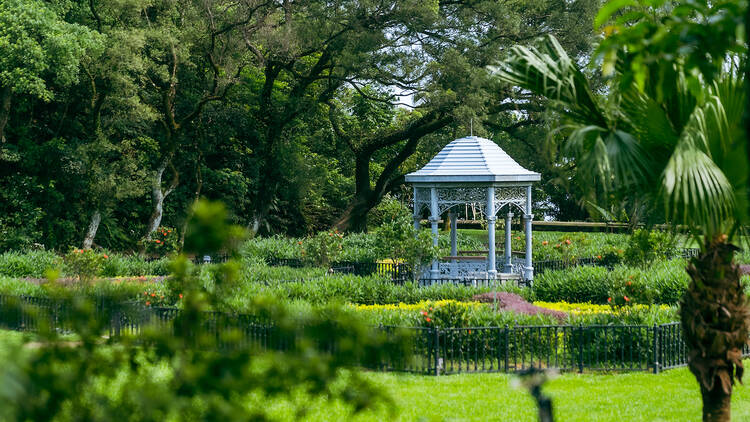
x=475 y=171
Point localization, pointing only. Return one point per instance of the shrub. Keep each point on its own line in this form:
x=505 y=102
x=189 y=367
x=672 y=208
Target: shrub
x=28 y=264
x=163 y=241
x=645 y=246
x=322 y=249
x=85 y=264
x=576 y=284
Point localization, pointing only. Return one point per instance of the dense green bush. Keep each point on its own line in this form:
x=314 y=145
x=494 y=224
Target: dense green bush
x=34 y=264
x=663 y=282
x=131 y=266
x=352 y=289
x=452 y=314
x=28 y=264
x=645 y=246
x=576 y=284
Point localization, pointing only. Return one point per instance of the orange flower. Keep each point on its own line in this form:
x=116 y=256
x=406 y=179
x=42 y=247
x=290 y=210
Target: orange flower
x=629 y=283
x=180 y=295
x=545 y=243
x=428 y=319
x=153 y=294
x=599 y=256
x=105 y=256
x=145 y=293
x=567 y=241
x=626 y=299
x=609 y=299
x=148 y=303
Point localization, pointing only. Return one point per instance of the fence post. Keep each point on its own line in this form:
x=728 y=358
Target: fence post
x=580 y=347
x=656 y=349
x=436 y=339
x=506 y=347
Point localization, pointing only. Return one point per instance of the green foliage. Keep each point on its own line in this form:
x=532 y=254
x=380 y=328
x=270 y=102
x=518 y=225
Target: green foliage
x=39 y=45
x=667 y=146
x=578 y=284
x=29 y=264
x=322 y=249
x=208 y=230
x=163 y=241
x=645 y=246
x=85 y=264
x=663 y=282
x=63 y=381
x=399 y=241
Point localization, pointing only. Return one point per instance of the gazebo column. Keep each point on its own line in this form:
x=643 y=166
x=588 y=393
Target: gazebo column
x=508 y=267
x=491 y=269
x=454 y=244
x=416 y=212
x=434 y=218
x=528 y=217
x=454 y=229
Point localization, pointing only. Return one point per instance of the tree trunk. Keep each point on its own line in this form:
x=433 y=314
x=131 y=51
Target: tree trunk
x=716 y=324
x=354 y=218
x=158 y=195
x=5 y=94
x=96 y=218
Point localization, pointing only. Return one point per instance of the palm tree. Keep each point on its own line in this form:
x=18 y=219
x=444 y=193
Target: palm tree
x=676 y=147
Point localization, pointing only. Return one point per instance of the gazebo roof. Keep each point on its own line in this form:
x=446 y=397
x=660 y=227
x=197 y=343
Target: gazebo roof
x=472 y=159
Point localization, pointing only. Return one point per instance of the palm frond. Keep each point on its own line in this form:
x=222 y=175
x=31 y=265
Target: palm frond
x=697 y=192
x=549 y=71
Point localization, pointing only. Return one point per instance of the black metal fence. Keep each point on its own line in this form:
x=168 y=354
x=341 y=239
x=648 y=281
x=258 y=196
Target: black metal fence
x=434 y=350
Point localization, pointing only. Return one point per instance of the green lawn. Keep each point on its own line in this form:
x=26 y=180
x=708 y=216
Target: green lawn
x=669 y=396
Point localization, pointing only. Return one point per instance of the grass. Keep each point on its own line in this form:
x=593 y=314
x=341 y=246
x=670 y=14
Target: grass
x=670 y=396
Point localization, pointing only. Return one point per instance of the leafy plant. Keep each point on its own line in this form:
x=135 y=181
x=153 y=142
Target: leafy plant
x=85 y=264
x=644 y=246
x=162 y=242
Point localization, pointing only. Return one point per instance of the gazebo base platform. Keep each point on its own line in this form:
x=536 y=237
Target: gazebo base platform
x=480 y=280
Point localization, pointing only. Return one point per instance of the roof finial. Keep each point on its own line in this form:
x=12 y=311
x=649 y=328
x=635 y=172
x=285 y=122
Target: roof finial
x=471 y=126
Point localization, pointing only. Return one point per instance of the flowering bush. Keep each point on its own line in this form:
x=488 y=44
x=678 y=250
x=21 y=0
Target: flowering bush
x=85 y=264
x=163 y=241
x=154 y=296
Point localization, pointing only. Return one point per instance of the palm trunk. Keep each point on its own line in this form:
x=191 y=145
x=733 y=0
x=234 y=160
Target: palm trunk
x=96 y=218
x=716 y=322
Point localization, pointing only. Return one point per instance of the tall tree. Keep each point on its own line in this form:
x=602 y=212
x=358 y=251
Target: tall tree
x=39 y=50
x=676 y=147
x=443 y=74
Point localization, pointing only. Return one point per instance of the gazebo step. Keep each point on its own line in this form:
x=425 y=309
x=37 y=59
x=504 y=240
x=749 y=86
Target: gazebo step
x=508 y=276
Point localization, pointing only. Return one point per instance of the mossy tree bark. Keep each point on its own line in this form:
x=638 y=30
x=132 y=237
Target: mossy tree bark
x=715 y=319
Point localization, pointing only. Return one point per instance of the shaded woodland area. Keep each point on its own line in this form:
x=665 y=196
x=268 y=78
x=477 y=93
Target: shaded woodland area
x=300 y=116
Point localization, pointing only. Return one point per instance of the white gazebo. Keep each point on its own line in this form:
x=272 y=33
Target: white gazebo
x=475 y=171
